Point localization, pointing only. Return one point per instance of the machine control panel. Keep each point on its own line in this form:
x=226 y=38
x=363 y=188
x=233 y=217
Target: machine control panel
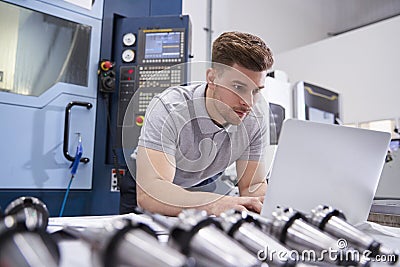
x=150 y=55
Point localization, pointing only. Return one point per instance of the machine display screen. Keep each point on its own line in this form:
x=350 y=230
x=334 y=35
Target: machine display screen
x=159 y=45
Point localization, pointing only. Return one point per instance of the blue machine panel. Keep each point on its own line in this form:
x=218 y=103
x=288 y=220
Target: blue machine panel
x=32 y=144
x=32 y=139
x=52 y=55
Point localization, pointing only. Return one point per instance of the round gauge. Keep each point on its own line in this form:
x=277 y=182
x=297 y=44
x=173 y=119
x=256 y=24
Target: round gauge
x=129 y=39
x=128 y=55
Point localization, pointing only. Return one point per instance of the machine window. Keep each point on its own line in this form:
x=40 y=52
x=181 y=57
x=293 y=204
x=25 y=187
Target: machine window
x=38 y=50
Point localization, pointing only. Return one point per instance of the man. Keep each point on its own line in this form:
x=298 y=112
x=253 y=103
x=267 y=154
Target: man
x=192 y=133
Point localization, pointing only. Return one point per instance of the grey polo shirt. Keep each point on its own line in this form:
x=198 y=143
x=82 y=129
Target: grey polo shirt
x=177 y=123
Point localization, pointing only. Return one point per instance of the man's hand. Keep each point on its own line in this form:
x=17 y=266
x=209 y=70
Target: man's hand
x=238 y=203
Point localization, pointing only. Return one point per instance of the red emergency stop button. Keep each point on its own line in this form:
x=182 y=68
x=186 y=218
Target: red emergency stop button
x=139 y=120
x=106 y=65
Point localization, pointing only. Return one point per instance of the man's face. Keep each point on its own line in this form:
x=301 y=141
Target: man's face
x=234 y=91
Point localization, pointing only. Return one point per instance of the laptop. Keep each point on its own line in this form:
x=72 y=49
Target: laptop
x=317 y=163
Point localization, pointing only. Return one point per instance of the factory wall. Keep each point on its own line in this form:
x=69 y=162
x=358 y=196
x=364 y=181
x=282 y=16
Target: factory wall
x=361 y=65
x=283 y=24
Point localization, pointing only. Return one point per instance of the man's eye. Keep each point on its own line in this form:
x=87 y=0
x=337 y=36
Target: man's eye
x=256 y=91
x=237 y=87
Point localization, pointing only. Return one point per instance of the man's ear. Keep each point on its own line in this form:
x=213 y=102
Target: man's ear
x=210 y=76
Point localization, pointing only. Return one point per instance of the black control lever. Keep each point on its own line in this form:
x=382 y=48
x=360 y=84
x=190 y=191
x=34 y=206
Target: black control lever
x=106 y=76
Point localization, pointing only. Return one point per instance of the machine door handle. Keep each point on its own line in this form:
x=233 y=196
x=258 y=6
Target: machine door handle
x=66 y=129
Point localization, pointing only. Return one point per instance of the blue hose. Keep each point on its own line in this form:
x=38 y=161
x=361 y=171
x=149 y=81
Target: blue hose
x=74 y=168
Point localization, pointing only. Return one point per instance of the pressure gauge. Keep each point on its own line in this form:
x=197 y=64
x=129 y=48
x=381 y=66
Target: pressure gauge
x=129 y=39
x=128 y=55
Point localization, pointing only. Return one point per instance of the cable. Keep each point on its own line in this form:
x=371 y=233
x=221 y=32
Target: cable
x=74 y=168
x=65 y=197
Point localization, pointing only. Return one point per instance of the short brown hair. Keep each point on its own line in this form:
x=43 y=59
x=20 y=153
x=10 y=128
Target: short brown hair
x=244 y=49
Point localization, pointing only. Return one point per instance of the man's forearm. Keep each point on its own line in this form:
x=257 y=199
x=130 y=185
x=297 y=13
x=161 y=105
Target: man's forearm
x=255 y=190
x=169 y=199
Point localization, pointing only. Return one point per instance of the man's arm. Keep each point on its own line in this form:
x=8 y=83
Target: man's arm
x=252 y=178
x=156 y=192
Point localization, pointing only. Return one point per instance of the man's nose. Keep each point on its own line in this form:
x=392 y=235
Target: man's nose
x=247 y=100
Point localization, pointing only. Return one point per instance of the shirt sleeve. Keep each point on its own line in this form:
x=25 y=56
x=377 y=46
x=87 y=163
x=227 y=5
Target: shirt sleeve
x=258 y=140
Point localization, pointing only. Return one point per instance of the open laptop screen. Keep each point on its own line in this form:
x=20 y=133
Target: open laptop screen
x=318 y=163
